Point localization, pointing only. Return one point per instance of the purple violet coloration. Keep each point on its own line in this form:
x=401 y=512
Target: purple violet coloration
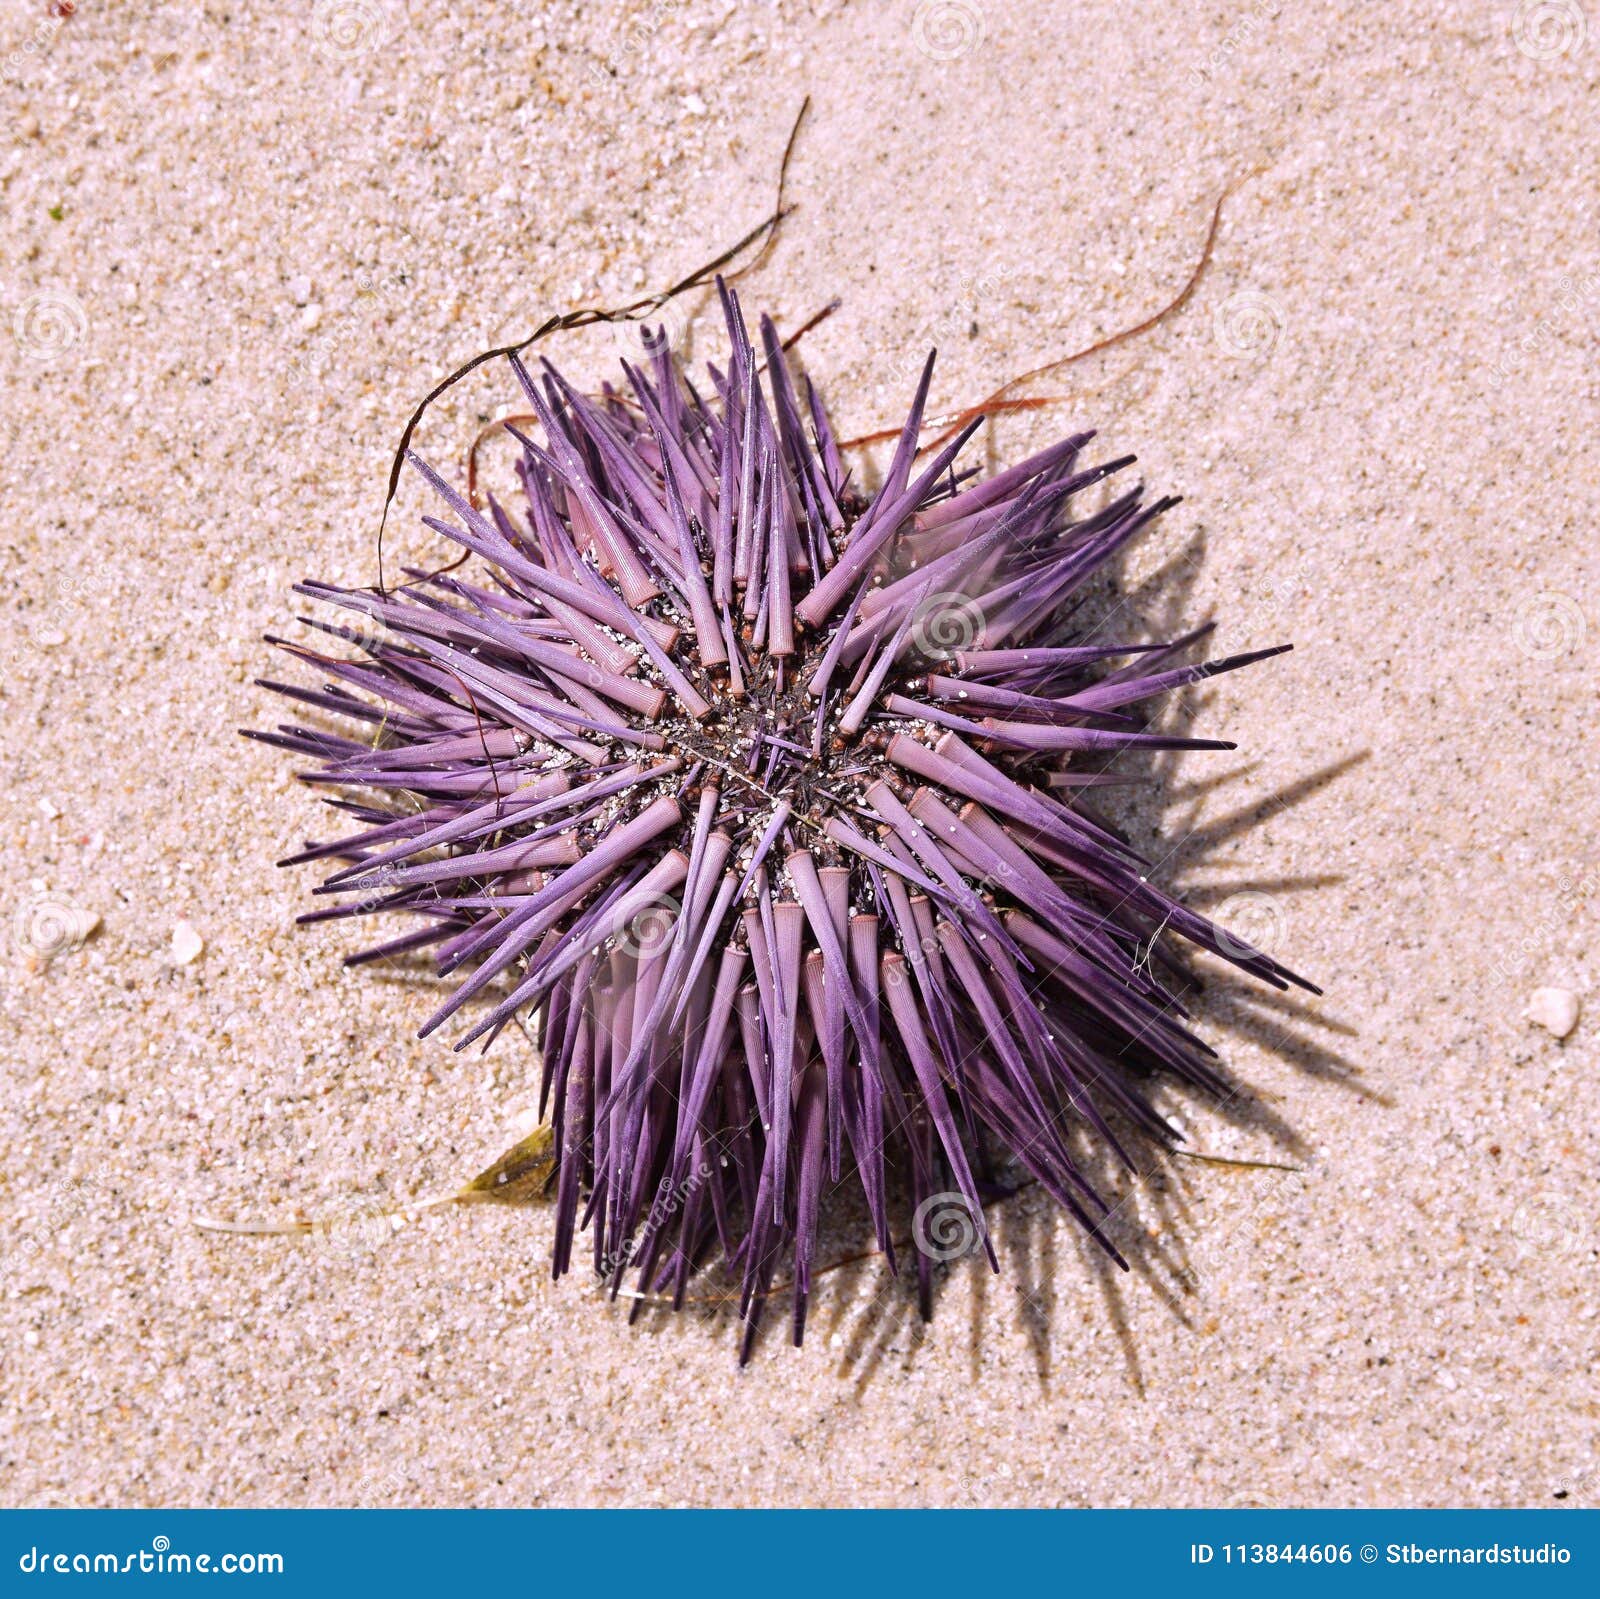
x=762 y=798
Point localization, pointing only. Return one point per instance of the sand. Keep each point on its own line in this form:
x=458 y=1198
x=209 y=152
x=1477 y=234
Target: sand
x=241 y=240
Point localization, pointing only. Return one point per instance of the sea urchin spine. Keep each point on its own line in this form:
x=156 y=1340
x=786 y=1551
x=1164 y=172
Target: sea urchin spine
x=760 y=795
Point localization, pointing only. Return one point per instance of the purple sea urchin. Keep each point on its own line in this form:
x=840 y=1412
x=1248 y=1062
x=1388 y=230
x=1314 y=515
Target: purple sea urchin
x=760 y=795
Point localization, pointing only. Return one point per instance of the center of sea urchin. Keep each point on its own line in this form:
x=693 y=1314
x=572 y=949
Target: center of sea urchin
x=777 y=747
x=766 y=801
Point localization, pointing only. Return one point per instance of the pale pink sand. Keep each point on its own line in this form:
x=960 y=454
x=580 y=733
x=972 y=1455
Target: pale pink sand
x=1381 y=406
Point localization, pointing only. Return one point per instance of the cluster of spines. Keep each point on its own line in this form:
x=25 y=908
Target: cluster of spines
x=758 y=792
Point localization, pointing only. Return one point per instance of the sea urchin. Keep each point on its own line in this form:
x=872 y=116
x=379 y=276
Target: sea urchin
x=759 y=795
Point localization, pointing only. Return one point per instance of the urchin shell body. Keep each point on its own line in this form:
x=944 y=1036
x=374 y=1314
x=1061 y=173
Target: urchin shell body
x=763 y=797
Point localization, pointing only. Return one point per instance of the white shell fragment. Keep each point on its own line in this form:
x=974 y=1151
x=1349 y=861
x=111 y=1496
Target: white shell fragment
x=1554 y=1009
x=186 y=944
